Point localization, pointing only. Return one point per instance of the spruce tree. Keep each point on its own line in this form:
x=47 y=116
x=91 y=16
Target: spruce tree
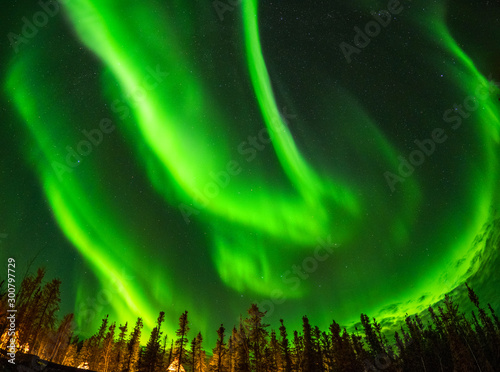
x=152 y=360
x=350 y=358
x=219 y=351
x=96 y=345
x=231 y=351
x=151 y=352
x=28 y=304
x=297 y=351
x=318 y=349
x=495 y=317
x=107 y=349
x=307 y=364
x=170 y=354
x=257 y=337
x=371 y=336
x=242 y=353
x=197 y=353
x=46 y=317
x=85 y=353
x=71 y=356
x=273 y=354
x=133 y=348
x=285 y=349
x=62 y=340
x=201 y=360
x=182 y=340
x=119 y=351
x=193 y=354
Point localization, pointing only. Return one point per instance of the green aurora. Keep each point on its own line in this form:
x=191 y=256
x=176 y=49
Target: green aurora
x=234 y=150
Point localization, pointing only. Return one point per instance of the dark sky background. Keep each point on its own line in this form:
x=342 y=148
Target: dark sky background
x=182 y=202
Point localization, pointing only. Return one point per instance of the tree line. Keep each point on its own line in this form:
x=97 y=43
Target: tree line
x=447 y=340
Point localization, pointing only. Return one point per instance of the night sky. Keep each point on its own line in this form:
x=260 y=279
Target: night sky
x=195 y=155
